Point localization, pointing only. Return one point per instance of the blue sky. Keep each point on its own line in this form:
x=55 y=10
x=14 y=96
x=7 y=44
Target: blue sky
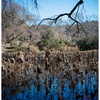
x=48 y=8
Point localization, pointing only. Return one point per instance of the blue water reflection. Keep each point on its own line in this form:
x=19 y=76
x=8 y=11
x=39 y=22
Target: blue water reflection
x=53 y=89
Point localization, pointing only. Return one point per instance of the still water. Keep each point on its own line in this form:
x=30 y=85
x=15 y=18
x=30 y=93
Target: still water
x=52 y=87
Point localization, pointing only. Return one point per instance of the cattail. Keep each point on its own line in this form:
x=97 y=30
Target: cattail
x=76 y=80
x=26 y=73
x=4 y=70
x=9 y=76
x=76 y=70
x=91 y=66
x=20 y=60
x=94 y=86
x=19 y=53
x=47 y=65
x=95 y=73
x=67 y=73
x=66 y=63
x=9 y=71
x=74 y=66
x=82 y=81
x=47 y=53
x=12 y=60
x=37 y=76
x=71 y=68
x=60 y=97
x=86 y=72
x=9 y=61
x=12 y=74
x=39 y=70
x=81 y=73
x=47 y=90
x=73 y=84
x=59 y=59
x=46 y=59
x=28 y=66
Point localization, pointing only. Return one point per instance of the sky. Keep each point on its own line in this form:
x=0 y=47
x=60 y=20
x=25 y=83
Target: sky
x=49 y=8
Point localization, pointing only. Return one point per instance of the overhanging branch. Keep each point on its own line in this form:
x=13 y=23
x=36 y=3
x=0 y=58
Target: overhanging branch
x=69 y=15
x=79 y=3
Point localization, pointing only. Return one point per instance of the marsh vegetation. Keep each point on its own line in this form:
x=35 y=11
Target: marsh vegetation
x=50 y=75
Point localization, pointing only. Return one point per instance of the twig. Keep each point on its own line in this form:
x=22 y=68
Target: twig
x=80 y=25
x=70 y=26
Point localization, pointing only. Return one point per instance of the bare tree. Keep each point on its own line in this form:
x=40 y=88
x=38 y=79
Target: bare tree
x=13 y=17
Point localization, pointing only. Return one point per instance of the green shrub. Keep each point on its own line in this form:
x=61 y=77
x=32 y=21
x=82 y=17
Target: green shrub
x=21 y=43
x=69 y=43
x=12 y=44
x=50 y=41
x=88 y=44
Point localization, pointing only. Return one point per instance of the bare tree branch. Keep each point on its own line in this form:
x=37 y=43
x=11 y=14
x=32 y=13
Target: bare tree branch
x=69 y=15
x=70 y=26
x=75 y=18
x=79 y=3
x=54 y=19
x=80 y=25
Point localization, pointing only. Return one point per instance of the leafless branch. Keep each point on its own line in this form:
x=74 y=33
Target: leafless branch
x=69 y=15
x=79 y=3
x=12 y=38
x=70 y=26
x=75 y=18
x=54 y=19
x=80 y=25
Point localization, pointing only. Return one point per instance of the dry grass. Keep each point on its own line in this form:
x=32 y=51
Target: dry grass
x=34 y=49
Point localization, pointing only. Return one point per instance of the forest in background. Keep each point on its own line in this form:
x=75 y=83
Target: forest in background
x=46 y=36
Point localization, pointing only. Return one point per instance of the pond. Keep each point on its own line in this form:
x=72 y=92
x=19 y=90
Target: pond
x=56 y=80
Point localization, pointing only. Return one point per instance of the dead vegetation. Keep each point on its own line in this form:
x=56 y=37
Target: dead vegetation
x=49 y=66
